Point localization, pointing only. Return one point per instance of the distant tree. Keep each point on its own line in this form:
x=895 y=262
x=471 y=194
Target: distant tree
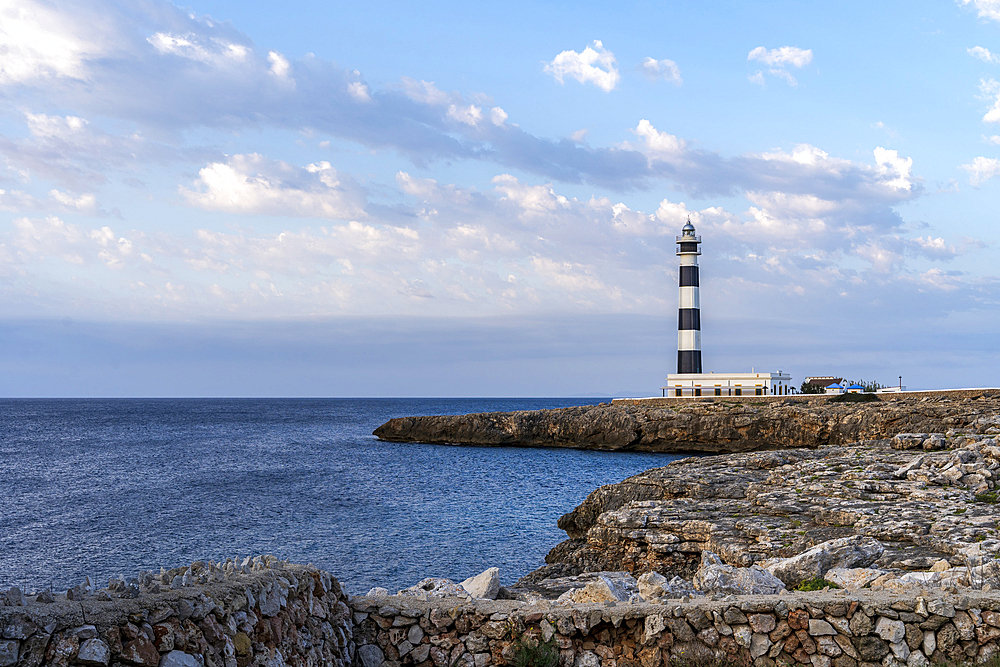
x=810 y=388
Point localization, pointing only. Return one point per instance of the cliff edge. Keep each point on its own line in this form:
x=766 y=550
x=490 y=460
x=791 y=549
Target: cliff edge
x=712 y=426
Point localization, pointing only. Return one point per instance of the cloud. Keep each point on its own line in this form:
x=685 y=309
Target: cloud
x=983 y=54
x=779 y=60
x=987 y=9
x=594 y=65
x=661 y=70
x=990 y=88
x=981 y=169
x=251 y=184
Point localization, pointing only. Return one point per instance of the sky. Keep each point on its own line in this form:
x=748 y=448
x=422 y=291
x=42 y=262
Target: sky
x=481 y=199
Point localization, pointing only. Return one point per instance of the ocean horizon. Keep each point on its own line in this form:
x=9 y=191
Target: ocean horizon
x=106 y=486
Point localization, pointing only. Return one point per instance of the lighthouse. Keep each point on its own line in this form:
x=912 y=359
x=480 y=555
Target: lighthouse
x=690 y=380
x=688 y=304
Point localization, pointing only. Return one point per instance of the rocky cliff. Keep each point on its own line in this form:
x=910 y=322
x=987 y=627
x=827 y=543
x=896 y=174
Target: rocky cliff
x=926 y=497
x=712 y=425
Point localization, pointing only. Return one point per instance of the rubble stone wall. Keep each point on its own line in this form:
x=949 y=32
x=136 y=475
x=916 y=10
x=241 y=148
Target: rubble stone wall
x=821 y=629
x=270 y=615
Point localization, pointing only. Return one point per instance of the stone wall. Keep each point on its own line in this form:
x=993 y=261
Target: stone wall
x=261 y=613
x=821 y=629
x=274 y=614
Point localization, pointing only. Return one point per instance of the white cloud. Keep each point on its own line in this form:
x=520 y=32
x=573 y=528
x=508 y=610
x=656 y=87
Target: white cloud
x=988 y=9
x=778 y=61
x=424 y=92
x=665 y=70
x=498 y=116
x=252 y=184
x=990 y=88
x=786 y=55
x=531 y=199
x=756 y=78
x=280 y=67
x=892 y=169
x=981 y=169
x=470 y=115
x=37 y=41
x=359 y=91
x=994 y=139
x=657 y=143
x=983 y=54
x=594 y=65
x=213 y=51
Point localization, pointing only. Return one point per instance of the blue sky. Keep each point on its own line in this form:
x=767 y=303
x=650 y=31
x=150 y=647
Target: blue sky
x=444 y=198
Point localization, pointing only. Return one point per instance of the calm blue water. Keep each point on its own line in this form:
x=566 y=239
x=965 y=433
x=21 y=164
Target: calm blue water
x=106 y=486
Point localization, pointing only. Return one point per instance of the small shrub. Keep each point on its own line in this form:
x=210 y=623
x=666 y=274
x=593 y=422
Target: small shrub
x=959 y=511
x=533 y=653
x=988 y=497
x=815 y=584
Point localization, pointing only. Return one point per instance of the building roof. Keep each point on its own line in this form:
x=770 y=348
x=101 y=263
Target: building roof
x=834 y=386
x=855 y=386
x=823 y=380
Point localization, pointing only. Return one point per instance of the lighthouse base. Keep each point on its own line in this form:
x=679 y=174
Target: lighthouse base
x=726 y=384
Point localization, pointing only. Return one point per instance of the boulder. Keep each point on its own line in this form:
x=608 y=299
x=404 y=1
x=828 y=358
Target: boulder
x=654 y=587
x=714 y=576
x=607 y=587
x=484 y=585
x=855 y=551
x=435 y=587
x=853 y=578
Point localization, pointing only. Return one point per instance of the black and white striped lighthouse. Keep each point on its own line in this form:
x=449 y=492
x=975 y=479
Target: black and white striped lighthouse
x=688 y=306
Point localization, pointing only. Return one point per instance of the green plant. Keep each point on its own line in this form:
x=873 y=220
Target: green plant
x=815 y=584
x=529 y=652
x=988 y=497
x=960 y=511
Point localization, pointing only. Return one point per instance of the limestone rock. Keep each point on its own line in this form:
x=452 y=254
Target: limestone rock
x=853 y=578
x=485 y=585
x=715 y=577
x=844 y=553
x=180 y=659
x=607 y=587
x=435 y=587
x=8 y=652
x=94 y=652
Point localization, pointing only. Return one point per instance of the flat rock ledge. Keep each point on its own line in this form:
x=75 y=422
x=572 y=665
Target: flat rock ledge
x=710 y=425
x=930 y=500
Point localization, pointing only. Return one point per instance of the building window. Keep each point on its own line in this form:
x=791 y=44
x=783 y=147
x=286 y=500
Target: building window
x=759 y=391
x=677 y=392
x=718 y=391
x=739 y=392
x=697 y=392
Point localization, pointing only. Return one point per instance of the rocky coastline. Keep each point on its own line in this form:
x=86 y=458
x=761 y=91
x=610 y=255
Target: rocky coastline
x=799 y=546
x=709 y=425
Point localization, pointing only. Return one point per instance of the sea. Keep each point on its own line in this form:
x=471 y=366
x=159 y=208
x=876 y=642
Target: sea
x=102 y=487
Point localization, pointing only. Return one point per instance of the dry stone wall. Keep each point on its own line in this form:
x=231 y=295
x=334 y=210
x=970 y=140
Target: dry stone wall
x=821 y=629
x=257 y=614
x=277 y=615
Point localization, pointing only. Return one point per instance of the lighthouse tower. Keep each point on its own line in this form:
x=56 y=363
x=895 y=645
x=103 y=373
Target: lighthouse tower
x=688 y=306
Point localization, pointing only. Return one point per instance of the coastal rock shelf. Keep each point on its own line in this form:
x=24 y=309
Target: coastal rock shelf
x=928 y=498
x=708 y=425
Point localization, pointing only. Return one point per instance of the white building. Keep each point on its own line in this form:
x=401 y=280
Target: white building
x=728 y=384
